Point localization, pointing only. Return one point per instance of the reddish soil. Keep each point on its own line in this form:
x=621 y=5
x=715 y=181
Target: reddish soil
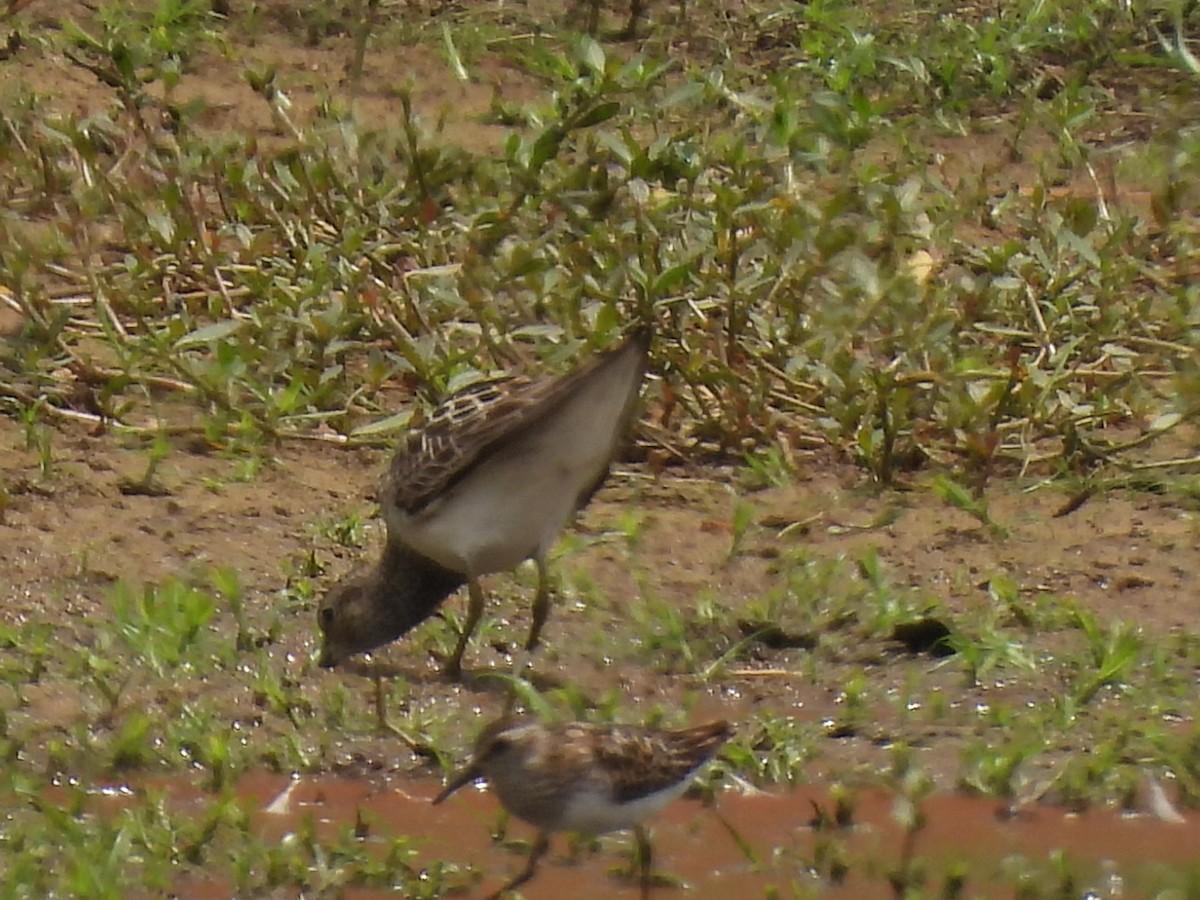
x=67 y=536
x=704 y=848
x=66 y=539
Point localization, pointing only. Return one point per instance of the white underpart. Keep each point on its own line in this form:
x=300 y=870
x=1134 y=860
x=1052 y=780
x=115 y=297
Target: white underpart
x=513 y=506
x=595 y=812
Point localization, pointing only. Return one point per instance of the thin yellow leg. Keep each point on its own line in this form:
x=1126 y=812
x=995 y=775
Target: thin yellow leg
x=541 y=609
x=541 y=603
x=453 y=668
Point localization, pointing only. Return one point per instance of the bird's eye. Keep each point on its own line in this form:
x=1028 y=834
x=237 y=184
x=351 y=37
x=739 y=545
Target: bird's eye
x=325 y=616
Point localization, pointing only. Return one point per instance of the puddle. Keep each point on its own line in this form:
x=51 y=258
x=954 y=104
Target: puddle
x=776 y=845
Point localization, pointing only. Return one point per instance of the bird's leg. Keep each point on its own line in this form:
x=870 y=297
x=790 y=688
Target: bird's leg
x=419 y=747
x=453 y=667
x=629 y=32
x=643 y=852
x=381 y=721
x=541 y=609
x=539 y=847
x=541 y=603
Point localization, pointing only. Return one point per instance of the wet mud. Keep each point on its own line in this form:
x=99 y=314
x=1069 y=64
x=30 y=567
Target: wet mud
x=734 y=845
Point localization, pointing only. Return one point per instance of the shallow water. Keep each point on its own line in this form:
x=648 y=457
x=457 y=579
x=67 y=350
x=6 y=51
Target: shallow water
x=776 y=846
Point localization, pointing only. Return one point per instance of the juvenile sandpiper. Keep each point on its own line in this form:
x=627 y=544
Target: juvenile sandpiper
x=586 y=778
x=492 y=478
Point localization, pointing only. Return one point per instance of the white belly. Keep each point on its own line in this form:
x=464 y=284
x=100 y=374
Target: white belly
x=595 y=813
x=512 y=506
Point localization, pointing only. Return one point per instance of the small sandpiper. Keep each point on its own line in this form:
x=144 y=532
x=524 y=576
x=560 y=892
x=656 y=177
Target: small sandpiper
x=492 y=478
x=586 y=778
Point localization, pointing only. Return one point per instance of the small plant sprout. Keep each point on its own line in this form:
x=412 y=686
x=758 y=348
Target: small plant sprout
x=743 y=517
x=909 y=493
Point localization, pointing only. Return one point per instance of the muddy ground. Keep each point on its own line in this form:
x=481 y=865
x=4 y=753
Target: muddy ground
x=69 y=533
x=68 y=538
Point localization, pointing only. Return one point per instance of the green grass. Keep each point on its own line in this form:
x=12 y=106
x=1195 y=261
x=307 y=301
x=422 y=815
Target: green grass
x=787 y=192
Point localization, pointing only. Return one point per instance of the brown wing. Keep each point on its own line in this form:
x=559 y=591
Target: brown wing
x=644 y=761
x=467 y=424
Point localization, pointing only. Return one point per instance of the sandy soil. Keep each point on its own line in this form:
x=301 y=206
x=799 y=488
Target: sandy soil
x=66 y=537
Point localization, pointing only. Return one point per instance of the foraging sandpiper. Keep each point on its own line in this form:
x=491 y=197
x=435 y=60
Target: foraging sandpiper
x=586 y=778
x=487 y=483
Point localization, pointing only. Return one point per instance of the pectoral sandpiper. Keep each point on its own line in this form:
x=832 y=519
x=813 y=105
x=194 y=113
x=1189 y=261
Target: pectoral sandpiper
x=487 y=483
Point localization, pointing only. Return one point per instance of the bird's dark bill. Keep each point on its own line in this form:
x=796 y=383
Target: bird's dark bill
x=466 y=776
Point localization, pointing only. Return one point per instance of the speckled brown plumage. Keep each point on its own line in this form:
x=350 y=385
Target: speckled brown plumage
x=586 y=777
x=488 y=482
x=432 y=459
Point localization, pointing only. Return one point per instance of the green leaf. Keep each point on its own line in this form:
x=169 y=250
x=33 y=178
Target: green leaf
x=209 y=333
x=456 y=63
x=687 y=94
x=384 y=426
x=670 y=279
x=607 y=319
x=1081 y=246
x=597 y=114
x=545 y=148
x=81 y=38
x=1165 y=422
x=616 y=146
x=954 y=494
x=592 y=55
